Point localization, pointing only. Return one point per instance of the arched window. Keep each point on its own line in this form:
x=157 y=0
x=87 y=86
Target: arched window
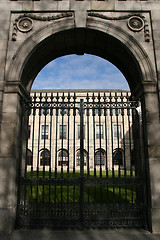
x=99 y=157
x=29 y=157
x=118 y=156
x=63 y=158
x=85 y=158
x=45 y=158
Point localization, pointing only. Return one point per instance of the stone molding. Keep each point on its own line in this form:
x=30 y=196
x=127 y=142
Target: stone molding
x=125 y=17
x=24 y=22
x=68 y=23
x=16 y=87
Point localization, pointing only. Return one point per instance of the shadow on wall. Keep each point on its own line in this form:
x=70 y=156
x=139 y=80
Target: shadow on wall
x=116 y=234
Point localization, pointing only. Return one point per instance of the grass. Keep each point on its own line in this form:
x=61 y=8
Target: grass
x=77 y=174
x=71 y=194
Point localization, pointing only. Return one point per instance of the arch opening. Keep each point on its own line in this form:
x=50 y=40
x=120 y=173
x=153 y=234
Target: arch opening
x=80 y=72
x=90 y=41
x=81 y=41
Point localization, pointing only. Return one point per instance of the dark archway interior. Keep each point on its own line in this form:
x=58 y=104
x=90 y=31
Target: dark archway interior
x=80 y=41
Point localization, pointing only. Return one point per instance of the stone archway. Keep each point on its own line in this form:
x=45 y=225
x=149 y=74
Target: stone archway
x=63 y=38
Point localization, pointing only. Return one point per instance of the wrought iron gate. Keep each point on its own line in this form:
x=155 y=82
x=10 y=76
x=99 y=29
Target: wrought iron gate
x=81 y=161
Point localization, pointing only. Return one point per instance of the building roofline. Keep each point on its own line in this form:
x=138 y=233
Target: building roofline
x=77 y=90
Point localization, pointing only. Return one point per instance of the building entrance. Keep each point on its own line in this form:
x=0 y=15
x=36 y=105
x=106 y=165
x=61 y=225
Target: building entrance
x=81 y=162
x=33 y=33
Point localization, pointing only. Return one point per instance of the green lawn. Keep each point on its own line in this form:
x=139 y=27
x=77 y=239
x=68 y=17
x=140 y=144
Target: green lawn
x=77 y=174
x=71 y=194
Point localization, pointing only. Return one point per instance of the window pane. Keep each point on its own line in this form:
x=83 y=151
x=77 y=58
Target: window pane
x=45 y=130
x=117 y=135
x=99 y=131
x=45 y=158
x=99 y=158
x=79 y=159
x=63 y=158
x=64 y=133
x=117 y=157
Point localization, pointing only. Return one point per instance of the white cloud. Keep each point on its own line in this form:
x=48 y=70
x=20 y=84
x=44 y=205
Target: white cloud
x=87 y=72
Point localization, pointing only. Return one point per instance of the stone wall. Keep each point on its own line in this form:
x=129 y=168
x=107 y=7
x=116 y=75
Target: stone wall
x=135 y=51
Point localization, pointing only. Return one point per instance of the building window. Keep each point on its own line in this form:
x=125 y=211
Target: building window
x=29 y=157
x=46 y=108
x=117 y=131
x=99 y=157
x=63 y=109
x=63 y=132
x=63 y=158
x=99 y=131
x=98 y=111
x=116 y=109
x=29 y=131
x=79 y=159
x=45 y=158
x=118 y=157
x=79 y=131
x=45 y=130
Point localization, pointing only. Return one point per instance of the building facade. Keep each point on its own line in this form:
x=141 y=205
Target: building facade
x=54 y=133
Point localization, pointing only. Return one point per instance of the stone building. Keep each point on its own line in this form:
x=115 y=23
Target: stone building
x=110 y=136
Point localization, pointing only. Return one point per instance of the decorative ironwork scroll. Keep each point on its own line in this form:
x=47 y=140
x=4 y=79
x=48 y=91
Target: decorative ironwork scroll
x=79 y=181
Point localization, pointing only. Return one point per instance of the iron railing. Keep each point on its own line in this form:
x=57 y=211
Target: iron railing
x=81 y=161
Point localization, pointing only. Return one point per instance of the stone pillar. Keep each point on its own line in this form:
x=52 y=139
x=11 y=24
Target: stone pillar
x=151 y=129
x=4 y=28
x=9 y=160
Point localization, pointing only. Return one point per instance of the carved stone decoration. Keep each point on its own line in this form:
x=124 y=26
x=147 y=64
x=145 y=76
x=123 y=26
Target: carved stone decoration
x=24 y=23
x=135 y=23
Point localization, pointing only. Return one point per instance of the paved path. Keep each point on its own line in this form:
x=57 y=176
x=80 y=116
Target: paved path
x=110 y=234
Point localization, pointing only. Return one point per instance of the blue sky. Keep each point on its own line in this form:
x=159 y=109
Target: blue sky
x=80 y=72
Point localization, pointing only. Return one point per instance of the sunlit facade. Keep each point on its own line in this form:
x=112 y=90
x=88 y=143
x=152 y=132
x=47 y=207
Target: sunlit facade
x=54 y=133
